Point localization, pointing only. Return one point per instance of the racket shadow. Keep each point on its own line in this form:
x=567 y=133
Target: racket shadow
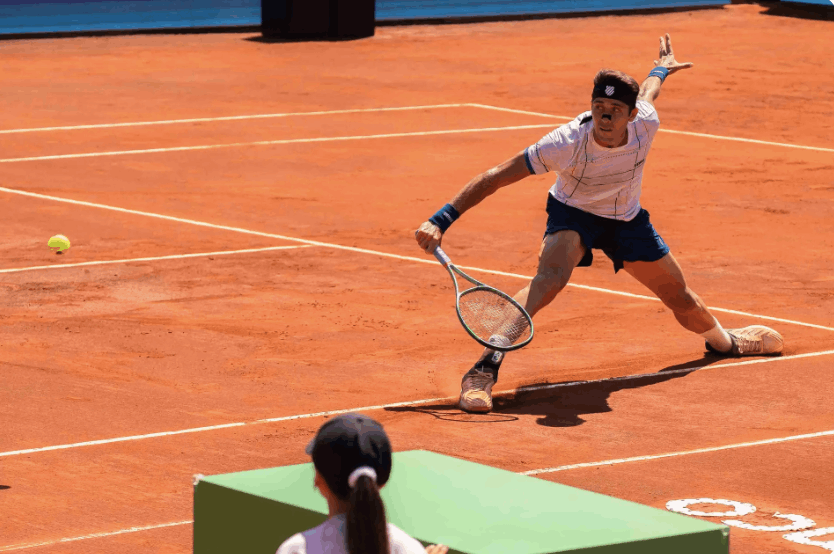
x=450 y=412
x=564 y=404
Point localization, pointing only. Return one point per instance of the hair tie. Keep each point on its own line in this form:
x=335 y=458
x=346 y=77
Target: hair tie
x=359 y=472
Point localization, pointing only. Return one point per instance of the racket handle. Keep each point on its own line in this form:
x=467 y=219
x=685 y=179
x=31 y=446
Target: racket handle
x=442 y=257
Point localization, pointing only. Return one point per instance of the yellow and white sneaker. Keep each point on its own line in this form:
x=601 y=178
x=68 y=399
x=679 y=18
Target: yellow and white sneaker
x=476 y=390
x=754 y=340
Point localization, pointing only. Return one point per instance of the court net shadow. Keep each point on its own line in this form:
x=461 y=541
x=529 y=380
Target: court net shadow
x=560 y=404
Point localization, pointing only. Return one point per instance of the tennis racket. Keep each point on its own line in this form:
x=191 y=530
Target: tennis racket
x=492 y=317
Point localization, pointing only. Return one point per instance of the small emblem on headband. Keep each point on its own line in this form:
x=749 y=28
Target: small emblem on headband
x=609 y=90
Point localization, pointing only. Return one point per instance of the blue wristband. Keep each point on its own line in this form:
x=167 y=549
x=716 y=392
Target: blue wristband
x=444 y=217
x=659 y=72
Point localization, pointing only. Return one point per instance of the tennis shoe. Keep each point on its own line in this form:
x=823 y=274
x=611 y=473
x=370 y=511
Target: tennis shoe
x=754 y=340
x=476 y=390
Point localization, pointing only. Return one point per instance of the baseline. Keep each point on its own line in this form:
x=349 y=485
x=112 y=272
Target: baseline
x=368 y=251
x=428 y=401
x=155 y=258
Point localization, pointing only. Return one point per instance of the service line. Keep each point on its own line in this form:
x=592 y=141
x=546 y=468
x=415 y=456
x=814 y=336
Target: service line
x=155 y=258
x=330 y=413
x=227 y=118
x=368 y=251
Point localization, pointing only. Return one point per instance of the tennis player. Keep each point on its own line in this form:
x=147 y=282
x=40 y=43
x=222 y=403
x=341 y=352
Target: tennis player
x=595 y=204
x=352 y=457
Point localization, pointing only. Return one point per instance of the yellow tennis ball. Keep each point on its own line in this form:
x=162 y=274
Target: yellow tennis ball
x=60 y=242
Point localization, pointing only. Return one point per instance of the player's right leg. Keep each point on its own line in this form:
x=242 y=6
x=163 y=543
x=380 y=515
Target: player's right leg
x=559 y=255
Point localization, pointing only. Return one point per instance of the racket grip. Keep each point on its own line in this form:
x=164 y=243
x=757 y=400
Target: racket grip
x=442 y=257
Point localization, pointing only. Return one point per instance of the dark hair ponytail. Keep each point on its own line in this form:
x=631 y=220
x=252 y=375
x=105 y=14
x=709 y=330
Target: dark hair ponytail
x=367 y=529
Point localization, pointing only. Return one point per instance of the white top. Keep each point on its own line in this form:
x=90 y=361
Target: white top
x=329 y=538
x=603 y=181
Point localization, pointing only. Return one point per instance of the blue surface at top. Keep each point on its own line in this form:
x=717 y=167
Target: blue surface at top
x=435 y=9
x=817 y=2
x=55 y=16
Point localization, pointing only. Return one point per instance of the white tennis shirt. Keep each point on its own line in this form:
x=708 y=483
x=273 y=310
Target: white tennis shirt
x=603 y=181
x=329 y=538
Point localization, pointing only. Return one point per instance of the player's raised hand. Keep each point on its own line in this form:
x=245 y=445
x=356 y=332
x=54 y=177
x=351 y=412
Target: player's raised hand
x=667 y=56
x=437 y=549
x=428 y=236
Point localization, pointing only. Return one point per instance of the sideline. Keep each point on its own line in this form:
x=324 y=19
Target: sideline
x=372 y=252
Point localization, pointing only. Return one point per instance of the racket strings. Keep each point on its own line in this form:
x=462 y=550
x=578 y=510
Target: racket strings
x=488 y=314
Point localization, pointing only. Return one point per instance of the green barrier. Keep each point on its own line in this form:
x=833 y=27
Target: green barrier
x=474 y=509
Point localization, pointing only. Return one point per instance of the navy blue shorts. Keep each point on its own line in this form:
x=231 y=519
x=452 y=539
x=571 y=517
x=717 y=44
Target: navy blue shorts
x=622 y=241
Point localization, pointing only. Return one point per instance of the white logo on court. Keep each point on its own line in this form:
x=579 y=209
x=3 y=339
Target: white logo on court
x=609 y=90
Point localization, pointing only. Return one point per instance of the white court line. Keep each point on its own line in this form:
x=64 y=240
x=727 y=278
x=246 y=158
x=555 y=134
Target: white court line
x=12 y=547
x=172 y=257
x=269 y=143
x=753 y=141
x=227 y=118
x=681 y=453
x=215 y=427
x=375 y=252
x=662 y=130
x=400 y=405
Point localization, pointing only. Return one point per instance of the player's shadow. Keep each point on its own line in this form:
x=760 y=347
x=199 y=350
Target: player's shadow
x=560 y=404
x=4 y=487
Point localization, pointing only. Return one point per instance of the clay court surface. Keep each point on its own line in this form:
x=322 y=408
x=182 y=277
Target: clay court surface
x=279 y=281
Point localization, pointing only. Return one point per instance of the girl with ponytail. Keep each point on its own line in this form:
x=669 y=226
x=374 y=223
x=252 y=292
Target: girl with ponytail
x=352 y=457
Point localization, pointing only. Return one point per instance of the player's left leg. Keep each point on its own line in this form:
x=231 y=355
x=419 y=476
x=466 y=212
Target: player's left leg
x=665 y=279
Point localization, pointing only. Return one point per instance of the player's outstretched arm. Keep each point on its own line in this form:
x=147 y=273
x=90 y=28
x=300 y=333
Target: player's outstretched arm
x=430 y=233
x=666 y=65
